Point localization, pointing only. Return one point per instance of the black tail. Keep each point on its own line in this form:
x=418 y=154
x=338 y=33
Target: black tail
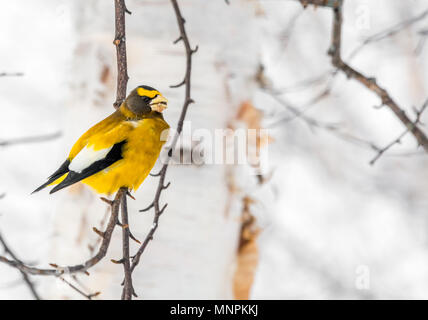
x=114 y=155
x=57 y=174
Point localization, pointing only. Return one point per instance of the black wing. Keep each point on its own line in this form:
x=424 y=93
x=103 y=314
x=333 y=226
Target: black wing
x=57 y=174
x=114 y=155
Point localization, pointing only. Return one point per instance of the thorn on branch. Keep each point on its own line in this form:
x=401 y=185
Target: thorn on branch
x=121 y=261
x=166 y=186
x=187 y=100
x=178 y=85
x=133 y=237
x=379 y=106
x=163 y=209
x=109 y=202
x=93 y=295
x=148 y=208
x=130 y=195
x=178 y=40
x=156 y=174
x=98 y=232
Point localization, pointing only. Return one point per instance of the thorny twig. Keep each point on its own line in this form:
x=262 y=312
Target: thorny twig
x=370 y=83
x=158 y=210
x=128 y=289
x=85 y=266
x=120 y=43
x=122 y=82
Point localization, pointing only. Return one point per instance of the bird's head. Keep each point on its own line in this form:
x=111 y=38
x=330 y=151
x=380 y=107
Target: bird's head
x=144 y=100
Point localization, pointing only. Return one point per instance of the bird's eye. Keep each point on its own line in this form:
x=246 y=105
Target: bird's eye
x=146 y=99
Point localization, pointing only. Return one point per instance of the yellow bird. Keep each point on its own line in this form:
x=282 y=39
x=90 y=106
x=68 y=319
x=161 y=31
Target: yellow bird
x=119 y=151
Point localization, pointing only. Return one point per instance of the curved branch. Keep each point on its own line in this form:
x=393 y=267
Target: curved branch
x=369 y=82
x=158 y=210
x=84 y=267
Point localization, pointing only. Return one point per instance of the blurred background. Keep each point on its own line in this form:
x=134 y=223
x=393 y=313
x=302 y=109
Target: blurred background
x=318 y=221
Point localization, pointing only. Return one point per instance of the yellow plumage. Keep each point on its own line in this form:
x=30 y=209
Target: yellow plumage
x=126 y=145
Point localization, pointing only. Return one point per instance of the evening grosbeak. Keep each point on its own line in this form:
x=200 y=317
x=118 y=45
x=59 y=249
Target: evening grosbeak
x=120 y=150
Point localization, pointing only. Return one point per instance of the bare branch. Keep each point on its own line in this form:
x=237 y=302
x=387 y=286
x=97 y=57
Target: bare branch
x=120 y=43
x=122 y=81
x=84 y=267
x=370 y=83
x=187 y=101
x=128 y=289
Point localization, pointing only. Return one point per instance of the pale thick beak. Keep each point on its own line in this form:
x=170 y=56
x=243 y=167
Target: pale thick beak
x=159 y=104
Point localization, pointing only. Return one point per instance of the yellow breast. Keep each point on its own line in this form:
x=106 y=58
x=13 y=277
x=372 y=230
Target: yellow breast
x=144 y=141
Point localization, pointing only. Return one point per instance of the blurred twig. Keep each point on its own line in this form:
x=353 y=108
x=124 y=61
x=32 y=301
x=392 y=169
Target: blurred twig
x=33 y=139
x=11 y=74
x=398 y=139
x=88 y=296
x=389 y=32
x=187 y=101
x=423 y=34
x=313 y=123
x=25 y=276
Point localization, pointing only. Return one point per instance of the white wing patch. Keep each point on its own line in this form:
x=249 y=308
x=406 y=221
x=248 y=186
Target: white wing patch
x=86 y=157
